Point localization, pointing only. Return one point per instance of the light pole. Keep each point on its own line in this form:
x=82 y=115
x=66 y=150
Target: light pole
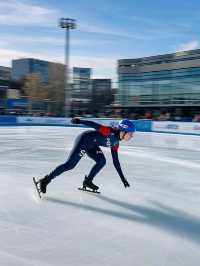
x=67 y=24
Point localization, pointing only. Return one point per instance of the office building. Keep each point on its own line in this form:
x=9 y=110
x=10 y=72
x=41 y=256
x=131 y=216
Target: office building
x=170 y=80
x=101 y=94
x=81 y=89
x=46 y=70
x=5 y=73
x=81 y=83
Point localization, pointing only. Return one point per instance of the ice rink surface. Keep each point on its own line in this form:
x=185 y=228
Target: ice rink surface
x=155 y=222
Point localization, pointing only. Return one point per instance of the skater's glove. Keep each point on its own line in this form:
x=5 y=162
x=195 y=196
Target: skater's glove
x=125 y=182
x=75 y=120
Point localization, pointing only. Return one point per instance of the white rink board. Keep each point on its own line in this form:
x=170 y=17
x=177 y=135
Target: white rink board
x=176 y=127
x=167 y=140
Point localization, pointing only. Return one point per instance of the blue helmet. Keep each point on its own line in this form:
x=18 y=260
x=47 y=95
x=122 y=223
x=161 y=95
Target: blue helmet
x=126 y=125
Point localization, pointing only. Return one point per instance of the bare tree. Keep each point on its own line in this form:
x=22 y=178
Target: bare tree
x=55 y=97
x=47 y=96
x=56 y=89
x=34 y=90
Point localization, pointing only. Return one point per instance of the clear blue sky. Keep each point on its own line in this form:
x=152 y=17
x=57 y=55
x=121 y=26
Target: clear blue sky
x=107 y=30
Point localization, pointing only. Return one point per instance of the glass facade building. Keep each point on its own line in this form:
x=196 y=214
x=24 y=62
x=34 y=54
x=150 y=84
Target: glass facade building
x=101 y=94
x=5 y=73
x=81 y=83
x=22 y=67
x=81 y=89
x=163 y=80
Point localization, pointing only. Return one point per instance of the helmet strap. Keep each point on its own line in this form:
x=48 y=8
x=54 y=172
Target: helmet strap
x=124 y=133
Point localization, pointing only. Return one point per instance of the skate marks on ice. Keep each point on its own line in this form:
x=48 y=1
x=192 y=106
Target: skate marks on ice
x=152 y=155
x=35 y=197
x=18 y=260
x=160 y=216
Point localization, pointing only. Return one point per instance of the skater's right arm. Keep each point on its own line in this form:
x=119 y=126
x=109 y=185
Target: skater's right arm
x=104 y=130
x=116 y=163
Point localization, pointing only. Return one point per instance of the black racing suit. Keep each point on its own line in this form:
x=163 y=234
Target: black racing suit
x=89 y=143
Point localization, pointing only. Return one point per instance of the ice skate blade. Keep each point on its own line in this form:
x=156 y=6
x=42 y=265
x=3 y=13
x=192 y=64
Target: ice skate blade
x=89 y=190
x=36 y=186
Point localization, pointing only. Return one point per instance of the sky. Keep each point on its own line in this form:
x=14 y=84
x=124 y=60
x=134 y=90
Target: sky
x=107 y=30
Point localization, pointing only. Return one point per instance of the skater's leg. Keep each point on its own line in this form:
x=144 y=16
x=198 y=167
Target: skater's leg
x=97 y=155
x=71 y=162
x=75 y=156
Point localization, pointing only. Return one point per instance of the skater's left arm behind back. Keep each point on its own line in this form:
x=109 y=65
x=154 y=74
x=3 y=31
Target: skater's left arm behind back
x=104 y=130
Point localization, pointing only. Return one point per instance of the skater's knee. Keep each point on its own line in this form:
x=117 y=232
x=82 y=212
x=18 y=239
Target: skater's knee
x=102 y=162
x=70 y=166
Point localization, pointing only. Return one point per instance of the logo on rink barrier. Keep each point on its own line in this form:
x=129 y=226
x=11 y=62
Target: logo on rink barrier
x=197 y=127
x=174 y=127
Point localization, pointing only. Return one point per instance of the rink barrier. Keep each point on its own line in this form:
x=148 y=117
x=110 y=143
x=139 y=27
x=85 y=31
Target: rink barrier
x=8 y=120
x=141 y=125
x=186 y=128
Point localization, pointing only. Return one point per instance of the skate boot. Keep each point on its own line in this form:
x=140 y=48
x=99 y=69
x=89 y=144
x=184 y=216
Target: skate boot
x=43 y=183
x=87 y=183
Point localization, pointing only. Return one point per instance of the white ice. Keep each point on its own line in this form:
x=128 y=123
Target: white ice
x=155 y=222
